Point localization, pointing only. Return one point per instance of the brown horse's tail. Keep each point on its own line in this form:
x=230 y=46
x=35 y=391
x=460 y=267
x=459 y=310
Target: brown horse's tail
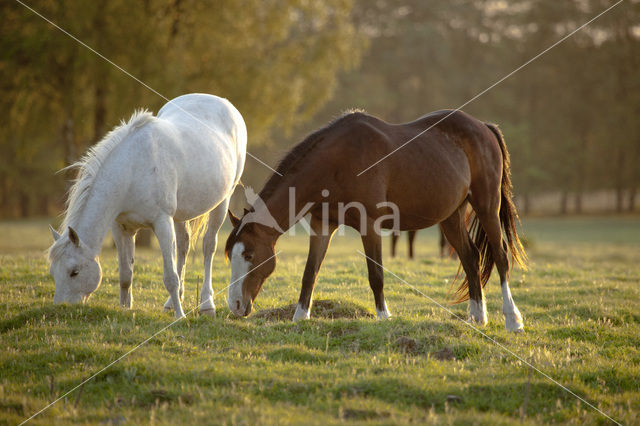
x=508 y=219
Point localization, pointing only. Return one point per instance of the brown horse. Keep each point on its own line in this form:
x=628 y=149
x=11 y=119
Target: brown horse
x=429 y=181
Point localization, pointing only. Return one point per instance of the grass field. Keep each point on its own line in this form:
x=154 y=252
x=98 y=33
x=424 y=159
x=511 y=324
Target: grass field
x=580 y=301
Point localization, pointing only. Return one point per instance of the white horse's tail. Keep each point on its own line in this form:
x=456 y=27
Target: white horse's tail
x=197 y=228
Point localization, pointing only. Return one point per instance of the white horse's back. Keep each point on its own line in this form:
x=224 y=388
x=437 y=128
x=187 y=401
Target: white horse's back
x=188 y=159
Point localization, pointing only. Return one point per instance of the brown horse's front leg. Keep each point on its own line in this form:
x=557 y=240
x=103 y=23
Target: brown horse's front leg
x=372 y=243
x=318 y=245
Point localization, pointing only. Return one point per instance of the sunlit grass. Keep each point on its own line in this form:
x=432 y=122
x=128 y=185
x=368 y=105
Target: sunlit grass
x=580 y=301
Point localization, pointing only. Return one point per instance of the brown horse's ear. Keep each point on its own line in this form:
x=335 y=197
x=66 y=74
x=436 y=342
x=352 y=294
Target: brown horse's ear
x=235 y=221
x=74 y=237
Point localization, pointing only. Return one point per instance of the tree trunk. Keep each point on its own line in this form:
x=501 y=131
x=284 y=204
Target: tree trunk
x=69 y=143
x=619 y=179
x=24 y=204
x=632 y=199
x=100 y=78
x=100 y=110
x=619 y=199
x=578 y=202
x=564 y=202
x=43 y=205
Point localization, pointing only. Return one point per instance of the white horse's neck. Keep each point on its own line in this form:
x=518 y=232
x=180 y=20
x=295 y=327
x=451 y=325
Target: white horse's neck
x=92 y=200
x=96 y=217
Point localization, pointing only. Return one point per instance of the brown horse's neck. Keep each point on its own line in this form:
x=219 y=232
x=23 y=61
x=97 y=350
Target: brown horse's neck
x=285 y=201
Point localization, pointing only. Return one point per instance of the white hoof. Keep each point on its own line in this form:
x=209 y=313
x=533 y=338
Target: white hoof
x=477 y=312
x=301 y=313
x=208 y=312
x=383 y=314
x=208 y=308
x=513 y=321
x=126 y=299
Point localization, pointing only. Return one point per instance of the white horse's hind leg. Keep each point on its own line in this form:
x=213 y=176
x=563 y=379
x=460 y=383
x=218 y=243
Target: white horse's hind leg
x=183 y=235
x=209 y=244
x=126 y=250
x=165 y=232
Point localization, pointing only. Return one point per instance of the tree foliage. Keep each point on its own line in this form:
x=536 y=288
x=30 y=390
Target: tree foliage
x=276 y=61
x=570 y=116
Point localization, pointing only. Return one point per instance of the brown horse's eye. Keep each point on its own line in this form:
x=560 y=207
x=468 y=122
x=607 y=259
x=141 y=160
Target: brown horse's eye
x=248 y=257
x=73 y=273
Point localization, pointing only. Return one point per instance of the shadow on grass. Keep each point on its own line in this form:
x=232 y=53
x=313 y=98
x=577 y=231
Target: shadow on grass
x=505 y=398
x=63 y=314
x=328 y=309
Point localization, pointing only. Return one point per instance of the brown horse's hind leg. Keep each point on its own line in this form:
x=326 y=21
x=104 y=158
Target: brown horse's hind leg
x=458 y=236
x=318 y=245
x=372 y=243
x=490 y=221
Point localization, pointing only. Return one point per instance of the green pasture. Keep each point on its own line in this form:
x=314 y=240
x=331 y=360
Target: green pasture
x=580 y=300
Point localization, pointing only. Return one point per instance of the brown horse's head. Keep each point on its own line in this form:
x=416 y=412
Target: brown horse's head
x=250 y=248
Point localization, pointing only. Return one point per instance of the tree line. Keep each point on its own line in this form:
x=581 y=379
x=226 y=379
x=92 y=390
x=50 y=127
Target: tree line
x=570 y=116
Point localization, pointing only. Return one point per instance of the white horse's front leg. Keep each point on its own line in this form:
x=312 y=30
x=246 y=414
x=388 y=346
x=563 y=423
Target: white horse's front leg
x=166 y=235
x=126 y=250
x=209 y=244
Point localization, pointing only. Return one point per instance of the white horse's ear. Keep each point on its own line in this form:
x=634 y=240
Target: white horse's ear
x=234 y=219
x=73 y=236
x=54 y=233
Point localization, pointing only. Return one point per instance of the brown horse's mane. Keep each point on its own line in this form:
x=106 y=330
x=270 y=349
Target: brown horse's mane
x=292 y=158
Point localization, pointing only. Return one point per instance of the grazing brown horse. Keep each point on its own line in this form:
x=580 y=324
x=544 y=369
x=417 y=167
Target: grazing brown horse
x=429 y=181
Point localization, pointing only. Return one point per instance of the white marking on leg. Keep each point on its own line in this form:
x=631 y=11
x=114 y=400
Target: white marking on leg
x=301 y=313
x=384 y=313
x=478 y=311
x=239 y=269
x=512 y=316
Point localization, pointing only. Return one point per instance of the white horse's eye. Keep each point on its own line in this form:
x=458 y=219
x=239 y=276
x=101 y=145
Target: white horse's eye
x=73 y=273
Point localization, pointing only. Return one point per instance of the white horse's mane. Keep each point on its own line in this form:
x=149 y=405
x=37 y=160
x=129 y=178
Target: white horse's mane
x=89 y=165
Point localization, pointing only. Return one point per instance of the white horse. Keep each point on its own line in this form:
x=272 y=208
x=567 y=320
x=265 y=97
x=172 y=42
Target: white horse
x=167 y=172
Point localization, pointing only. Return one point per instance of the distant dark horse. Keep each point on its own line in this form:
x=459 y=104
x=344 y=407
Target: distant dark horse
x=445 y=248
x=428 y=181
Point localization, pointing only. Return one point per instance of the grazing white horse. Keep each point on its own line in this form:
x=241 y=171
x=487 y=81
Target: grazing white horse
x=168 y=172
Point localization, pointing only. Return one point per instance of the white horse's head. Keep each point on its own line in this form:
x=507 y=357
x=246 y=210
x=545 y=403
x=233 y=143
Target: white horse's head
x=75 y=270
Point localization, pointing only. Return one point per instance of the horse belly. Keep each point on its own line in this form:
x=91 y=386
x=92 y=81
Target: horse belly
x=202 y=185
x=427 y=192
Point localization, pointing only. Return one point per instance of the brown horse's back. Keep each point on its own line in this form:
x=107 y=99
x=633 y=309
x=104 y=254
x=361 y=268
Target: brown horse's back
x=427 y=178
